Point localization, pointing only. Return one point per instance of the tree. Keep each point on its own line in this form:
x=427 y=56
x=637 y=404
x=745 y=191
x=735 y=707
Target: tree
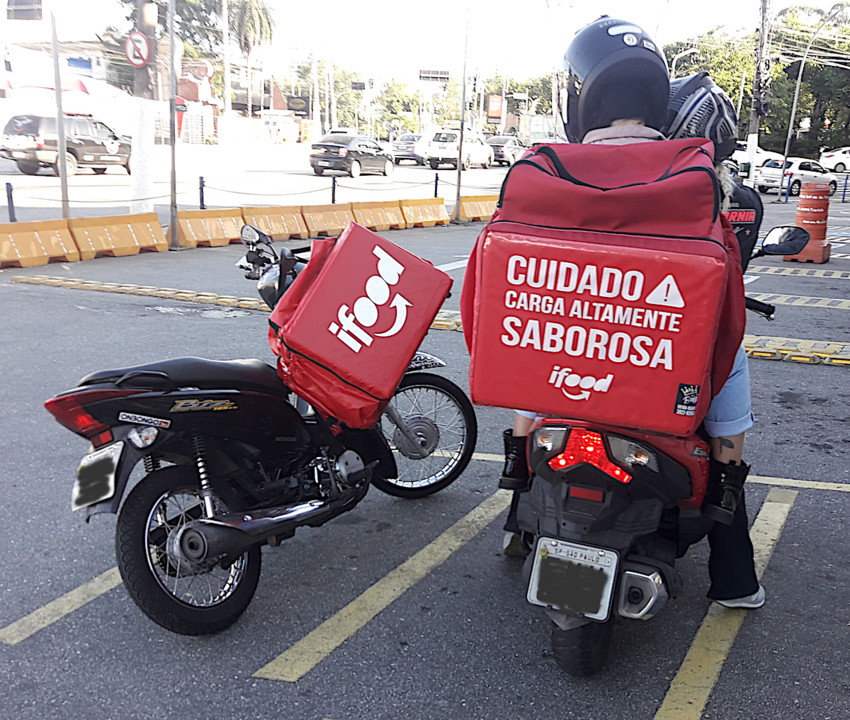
x=254 y=25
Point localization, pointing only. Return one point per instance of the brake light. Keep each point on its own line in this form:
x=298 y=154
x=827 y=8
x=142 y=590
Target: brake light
x=788 y=173
x=343 y=152
x=587 y=446
x=70 y=411
x=39 y=141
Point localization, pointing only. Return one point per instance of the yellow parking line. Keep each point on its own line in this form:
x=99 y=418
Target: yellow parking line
x=308 y=652
x=692 y=686
x=59 y=608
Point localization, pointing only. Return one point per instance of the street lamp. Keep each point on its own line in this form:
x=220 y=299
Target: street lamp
x=835 y=10
x=689 y=51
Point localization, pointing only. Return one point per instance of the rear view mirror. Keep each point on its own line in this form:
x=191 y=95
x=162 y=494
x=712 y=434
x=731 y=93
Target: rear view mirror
x=287 y=261
x=784 y=240
x=249 y=234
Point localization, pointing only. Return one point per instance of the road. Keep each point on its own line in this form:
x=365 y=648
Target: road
x=461 y=643
x=241 y=176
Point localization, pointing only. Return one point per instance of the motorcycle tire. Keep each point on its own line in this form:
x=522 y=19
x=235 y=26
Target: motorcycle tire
x=200 y=603
x=582 y=651
x=443 y=419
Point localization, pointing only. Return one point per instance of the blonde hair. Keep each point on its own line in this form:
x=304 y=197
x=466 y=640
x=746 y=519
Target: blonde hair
x=727 y=184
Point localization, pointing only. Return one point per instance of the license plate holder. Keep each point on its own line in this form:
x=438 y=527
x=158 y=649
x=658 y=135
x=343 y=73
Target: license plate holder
x=323 y=163
x=574 y=578
x=96 y=476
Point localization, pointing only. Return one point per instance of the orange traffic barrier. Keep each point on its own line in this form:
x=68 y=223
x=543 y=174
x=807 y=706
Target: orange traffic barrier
x=116 y=235
x=327 y=219
x=478 y=207
x=812 y=214
x=36 y=243
x=379 y=215
x=279 y=222
x=209 y=228
x=425 y=213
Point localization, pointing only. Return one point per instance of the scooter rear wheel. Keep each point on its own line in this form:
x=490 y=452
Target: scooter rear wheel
x=185 y=600
x=582 y=650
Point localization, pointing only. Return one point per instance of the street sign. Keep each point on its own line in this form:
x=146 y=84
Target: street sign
x=434 y=75
x=358 y=85
x=137 y=49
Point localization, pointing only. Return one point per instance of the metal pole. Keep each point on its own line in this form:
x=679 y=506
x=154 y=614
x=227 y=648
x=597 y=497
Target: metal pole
x=225 y=31
x=60 y=124
x=173 y=243
x=757 y=105
x=10 y=202
x=201 y=188
x=741 y=94
x=843 y=194
x=837 y=9
x=456 y=211
x=333 y=190
x=436 y=184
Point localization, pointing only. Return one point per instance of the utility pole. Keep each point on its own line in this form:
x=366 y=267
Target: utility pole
x=225 y=42
x=761 y=79
x=144 y=119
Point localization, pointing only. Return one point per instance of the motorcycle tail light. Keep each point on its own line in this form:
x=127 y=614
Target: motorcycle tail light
x=70 y=410
x=628 y=452
x=587 y=446
x=343 y=152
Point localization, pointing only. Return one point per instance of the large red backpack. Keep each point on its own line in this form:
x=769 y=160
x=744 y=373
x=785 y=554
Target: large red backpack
x=607 y=287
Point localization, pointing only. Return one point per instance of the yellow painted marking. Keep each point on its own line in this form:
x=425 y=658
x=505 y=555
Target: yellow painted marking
x=807 y=272
x=692 y=686
x=308 y=652
x=59 y=608
x=802 y=301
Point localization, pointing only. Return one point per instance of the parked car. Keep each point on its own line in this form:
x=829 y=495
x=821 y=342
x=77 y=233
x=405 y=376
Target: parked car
x=350 y=153
x=32 y=142
x=837 y=160
x=409 y=146
x=797 y=171
x=740 y=155
x=444 y=146
x=507 y=149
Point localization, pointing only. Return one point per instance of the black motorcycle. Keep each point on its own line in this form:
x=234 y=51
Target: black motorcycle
x=233 y=461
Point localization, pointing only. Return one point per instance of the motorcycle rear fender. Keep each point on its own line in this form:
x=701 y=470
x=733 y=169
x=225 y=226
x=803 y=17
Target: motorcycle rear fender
x=423 y=361
x=130 y=457
x=371 y=445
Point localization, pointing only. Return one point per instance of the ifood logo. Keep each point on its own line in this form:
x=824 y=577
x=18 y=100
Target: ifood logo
x=565 y=379
x=352 y=322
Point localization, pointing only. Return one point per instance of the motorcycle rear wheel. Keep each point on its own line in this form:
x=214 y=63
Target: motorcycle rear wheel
x=441 y=416
x=582 y=651
x=187 y=603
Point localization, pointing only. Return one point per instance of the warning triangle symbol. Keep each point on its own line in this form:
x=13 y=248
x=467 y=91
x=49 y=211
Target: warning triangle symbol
x=667 y=293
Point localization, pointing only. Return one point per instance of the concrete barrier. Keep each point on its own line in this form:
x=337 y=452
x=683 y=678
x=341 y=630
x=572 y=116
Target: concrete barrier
x=379 y=215
x=424 y=213
x=113 y=236
x=327 y=219
x=279 y=222
x=147 y=231
x=36 y=243
x=478 y=207
x=208 y=228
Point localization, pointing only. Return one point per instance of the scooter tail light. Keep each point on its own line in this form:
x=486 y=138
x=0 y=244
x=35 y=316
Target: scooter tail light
x=70 y=410
x=587 y=446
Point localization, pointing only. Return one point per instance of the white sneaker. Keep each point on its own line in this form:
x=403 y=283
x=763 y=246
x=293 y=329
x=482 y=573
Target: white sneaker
x=748 y=602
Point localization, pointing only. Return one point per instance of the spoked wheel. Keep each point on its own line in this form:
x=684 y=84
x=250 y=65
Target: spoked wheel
x=795 y=188
x=184 y=598
x=442 y=419
x=582 y=650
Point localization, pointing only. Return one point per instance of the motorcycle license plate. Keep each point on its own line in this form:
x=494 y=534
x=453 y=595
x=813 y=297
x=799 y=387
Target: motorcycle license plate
x=96 y=476
x=574 y=578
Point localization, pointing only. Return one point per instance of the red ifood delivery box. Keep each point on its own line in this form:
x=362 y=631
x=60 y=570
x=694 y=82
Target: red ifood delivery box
x=615 y=329
x=347 y=328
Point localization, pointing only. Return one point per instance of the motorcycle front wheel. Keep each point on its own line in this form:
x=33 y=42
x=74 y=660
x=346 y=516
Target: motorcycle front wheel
x=185 y=600
x=441 y=417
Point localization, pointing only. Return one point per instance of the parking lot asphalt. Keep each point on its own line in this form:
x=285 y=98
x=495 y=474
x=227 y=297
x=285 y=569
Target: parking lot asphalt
x=461 y=642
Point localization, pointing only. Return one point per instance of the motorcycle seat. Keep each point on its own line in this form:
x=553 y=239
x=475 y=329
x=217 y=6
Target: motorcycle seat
x=193 y=372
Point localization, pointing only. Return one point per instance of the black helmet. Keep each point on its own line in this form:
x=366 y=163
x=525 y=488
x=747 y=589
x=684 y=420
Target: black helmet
x=612 y=70
x=699 y=108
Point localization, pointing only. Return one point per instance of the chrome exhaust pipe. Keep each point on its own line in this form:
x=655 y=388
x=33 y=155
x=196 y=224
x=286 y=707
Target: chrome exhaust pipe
x=642 y=593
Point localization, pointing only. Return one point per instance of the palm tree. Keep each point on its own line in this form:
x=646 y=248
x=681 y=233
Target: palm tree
x=253 y=25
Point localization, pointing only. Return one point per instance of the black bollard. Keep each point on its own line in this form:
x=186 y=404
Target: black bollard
x=201 y=188
x=333 y=190
x=11 y=203
x=436 y=183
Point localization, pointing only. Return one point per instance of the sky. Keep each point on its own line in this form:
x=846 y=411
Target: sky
x=388 y=38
